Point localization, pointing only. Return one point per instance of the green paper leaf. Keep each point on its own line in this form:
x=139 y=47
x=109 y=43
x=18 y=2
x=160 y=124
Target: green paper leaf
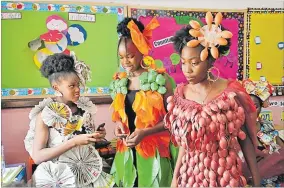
x=130 y=171
x=148 y=170
x=172 y=82
x=117 y=169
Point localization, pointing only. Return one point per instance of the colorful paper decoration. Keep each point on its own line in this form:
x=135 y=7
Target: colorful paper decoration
x=76 y=35
x=57 y=23
x=57 y=38
x=57 y=47
x=36 y=44
x=40 y=56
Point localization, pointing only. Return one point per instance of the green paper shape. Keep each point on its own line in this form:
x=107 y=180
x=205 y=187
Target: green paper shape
x=162 y=90
x=111 y=85
x=148 y=170
x=166 y=172
x=123 y=170
x=123 y=90
x=112 y=95
x=152 y=76
x=184 y=20
x=123 y=82
x=146 y=87
x=154 y=86
x=174 y=154
x=161 y=80
x=118 y=90
x=172 y=82
x=116 y=84
x=159 y=63
x=175 y=58
x=143 y=78
x=117 y=169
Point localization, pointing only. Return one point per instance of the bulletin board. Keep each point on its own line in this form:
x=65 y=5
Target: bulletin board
x=21 y=78
x=265 y=45
x=171 y=20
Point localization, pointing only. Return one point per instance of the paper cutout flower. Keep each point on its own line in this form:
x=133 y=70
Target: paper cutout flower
x=49 y=174
x=210 y=36
x=84 y=162
x=56 y=115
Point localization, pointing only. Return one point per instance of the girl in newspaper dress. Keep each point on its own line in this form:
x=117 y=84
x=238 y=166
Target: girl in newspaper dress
x=61 y=137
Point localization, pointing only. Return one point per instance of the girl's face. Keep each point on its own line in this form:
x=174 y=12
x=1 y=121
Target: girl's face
x=193 y=68
x=130 y=57
x=68 y=86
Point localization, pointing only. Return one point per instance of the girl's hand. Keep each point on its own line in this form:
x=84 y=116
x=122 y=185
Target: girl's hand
x=118 y=132
x=84 y=139
x=135 y=138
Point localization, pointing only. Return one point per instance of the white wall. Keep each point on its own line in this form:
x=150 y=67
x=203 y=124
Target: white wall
x=200 y=4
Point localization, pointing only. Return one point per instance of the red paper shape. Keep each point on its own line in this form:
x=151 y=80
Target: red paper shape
x=51 y=36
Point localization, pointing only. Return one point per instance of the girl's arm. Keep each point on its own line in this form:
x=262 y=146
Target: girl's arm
x=177 y=167
x=41 y=153
x=250 y=157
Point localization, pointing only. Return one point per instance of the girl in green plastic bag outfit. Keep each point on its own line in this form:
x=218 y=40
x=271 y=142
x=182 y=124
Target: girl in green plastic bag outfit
x=144 y=155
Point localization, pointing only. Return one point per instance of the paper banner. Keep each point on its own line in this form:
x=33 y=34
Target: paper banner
x=119 y=10
x=47 y=91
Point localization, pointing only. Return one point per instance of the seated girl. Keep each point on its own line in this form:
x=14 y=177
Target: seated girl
x=62 y=133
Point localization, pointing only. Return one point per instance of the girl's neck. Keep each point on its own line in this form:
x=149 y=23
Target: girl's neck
x=138 y=72
x=201 y=86
x=62 y=100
